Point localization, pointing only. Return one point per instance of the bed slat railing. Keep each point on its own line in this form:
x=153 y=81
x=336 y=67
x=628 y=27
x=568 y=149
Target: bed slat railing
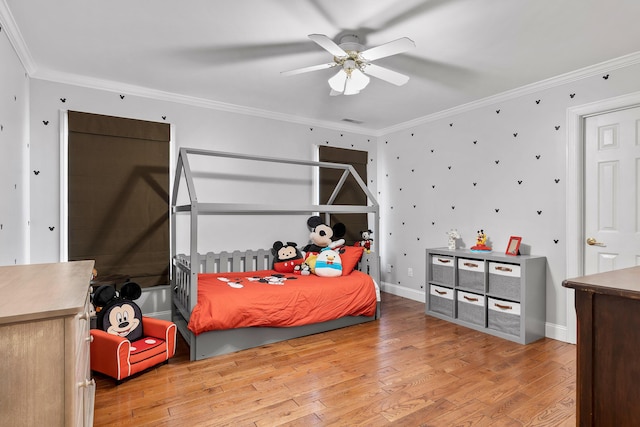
x=223 y=262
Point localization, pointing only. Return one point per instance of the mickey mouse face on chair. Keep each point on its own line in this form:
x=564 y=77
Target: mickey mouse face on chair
x=119 y=314
x=122 y=319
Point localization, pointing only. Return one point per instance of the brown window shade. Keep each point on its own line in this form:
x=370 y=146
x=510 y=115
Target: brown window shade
x=119 y=196
x=350 y=194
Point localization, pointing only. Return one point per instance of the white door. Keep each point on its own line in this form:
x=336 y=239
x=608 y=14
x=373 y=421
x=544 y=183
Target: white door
x=612 y=191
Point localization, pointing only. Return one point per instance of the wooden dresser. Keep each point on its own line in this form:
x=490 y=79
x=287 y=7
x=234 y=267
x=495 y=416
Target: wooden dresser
x=44 y=345
x=608 y=376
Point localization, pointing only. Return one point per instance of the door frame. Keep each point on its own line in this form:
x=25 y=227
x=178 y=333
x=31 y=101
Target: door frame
x=575 y=191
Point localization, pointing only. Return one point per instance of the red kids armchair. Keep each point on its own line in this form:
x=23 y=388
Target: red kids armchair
x=125 y=342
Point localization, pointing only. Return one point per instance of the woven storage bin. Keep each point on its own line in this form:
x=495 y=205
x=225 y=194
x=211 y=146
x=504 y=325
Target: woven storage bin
x=504 y=281
x=442 y=270
x=471 y=274
x=503 y=316
x=441 y=300
x=471 y=308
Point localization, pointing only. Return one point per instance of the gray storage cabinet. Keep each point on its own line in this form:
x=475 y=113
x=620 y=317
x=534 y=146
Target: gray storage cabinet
x=494 y=293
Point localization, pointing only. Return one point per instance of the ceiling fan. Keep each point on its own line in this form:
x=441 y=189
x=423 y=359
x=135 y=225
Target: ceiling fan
x=355 y=63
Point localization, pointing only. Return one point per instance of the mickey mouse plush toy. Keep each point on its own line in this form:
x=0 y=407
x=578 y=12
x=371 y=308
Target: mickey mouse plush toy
x=286 y=256
x=322 y=235
x=366 y=240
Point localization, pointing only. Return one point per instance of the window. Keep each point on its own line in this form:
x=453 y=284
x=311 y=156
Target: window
x=118 y=196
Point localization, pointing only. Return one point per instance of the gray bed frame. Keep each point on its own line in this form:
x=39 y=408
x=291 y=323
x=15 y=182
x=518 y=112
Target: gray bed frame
x=185 y=268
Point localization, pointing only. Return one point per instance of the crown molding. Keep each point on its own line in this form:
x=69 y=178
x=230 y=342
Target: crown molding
x=590 y=71
x=145 y=92
x=15 y=38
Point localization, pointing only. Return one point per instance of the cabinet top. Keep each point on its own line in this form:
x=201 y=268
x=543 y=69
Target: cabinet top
x=624 y=283
x=491 y=256
x=41 y=291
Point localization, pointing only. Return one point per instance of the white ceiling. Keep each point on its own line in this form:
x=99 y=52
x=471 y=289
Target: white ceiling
x=232 y=52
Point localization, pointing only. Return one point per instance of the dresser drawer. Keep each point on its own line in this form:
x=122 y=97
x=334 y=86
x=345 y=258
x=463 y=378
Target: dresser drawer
x=471 y=274
x=441 y=300
x=503 y=316
x=442 y=270
x=504 y=281
x=471 y=307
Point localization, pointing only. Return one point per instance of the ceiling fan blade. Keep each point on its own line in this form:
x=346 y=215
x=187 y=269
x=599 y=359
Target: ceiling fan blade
x=334 y=93
x=338 y=81
x=386 y=74
x=308 y=69
x=327 y=44
x=394 y=47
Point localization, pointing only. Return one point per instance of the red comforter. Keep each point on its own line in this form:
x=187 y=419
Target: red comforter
x=236 y=300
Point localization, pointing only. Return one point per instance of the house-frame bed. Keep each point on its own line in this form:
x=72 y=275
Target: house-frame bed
x=186 y=268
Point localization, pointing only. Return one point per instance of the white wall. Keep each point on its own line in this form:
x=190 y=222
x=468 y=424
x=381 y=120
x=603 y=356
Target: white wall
x=14 y=158
x=465 y=169
x=193 y=126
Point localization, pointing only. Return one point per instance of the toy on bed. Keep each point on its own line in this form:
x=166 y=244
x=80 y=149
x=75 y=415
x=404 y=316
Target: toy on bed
x=323 y=249
x=126 y=342
x=286 y=257
x=321 y=234
x=328 y=261
x=366 y=240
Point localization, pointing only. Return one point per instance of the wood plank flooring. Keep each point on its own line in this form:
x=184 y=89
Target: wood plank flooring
x=406 y=369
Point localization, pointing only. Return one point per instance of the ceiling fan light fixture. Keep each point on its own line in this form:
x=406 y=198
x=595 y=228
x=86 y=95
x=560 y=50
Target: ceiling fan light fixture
x=338 y=81
x=352 y=58
x=356 y=81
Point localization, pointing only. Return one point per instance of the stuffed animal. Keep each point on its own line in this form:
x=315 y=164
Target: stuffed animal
x=118 y=314
x=303 y=269
x=321 y=234
x=286 y=256
x=328 y=262
x=366 y=240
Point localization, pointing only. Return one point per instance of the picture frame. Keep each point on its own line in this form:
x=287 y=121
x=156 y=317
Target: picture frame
x=513 y=248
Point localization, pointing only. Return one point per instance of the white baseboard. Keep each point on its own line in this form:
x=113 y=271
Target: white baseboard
x=401 y=291
x=551 y=330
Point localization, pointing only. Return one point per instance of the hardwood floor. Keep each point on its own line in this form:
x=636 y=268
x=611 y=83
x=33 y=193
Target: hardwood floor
x=406 y=369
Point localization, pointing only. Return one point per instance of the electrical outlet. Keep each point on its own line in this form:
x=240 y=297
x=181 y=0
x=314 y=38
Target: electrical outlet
x=388 y=268
x=410 y=272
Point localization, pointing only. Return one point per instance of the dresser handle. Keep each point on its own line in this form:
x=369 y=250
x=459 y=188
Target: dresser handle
x=85 y=316
x=439 y=292
x=444 y=261
x=470 y=264
x=470 y=299
x=87 y=383
x=504 y=307
x=504 y=269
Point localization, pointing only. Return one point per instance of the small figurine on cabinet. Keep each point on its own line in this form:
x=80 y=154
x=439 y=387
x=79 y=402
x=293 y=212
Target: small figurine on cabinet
x=453 y=235
x=481 y=243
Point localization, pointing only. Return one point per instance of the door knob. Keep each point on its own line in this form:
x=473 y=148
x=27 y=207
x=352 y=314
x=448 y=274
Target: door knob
x=593 y=242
